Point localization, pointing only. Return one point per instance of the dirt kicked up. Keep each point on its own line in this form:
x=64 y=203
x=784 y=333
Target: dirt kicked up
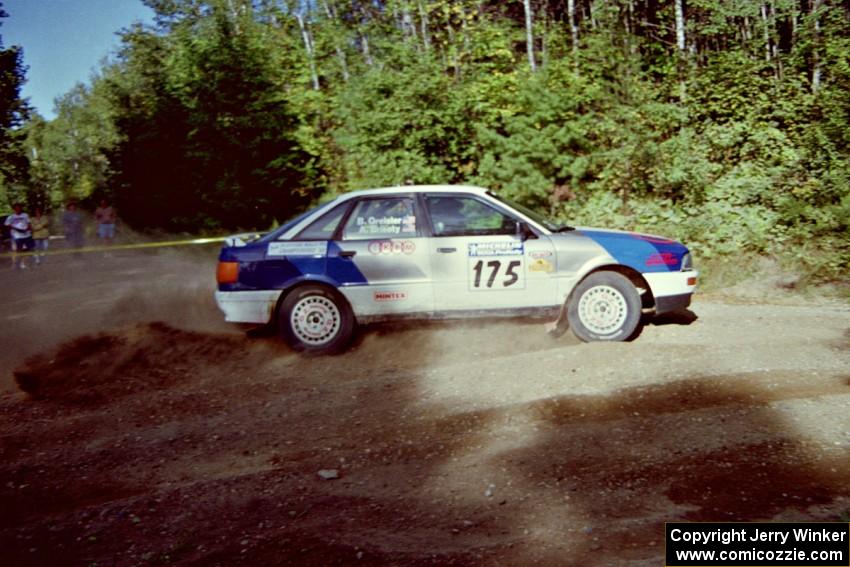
x=185 y=442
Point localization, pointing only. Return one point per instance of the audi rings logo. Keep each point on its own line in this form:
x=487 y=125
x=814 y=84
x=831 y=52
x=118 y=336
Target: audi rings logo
x=387 y=247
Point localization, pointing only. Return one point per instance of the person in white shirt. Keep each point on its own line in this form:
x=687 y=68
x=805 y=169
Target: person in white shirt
x=21 y=233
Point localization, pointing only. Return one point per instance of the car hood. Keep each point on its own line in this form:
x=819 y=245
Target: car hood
x=643 y=252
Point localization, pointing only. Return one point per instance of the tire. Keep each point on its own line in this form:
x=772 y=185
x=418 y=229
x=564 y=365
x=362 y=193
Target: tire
x=316 y=319
x=605 y=306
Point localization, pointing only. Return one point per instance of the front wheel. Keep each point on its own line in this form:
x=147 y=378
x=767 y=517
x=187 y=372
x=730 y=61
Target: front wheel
x=605 y=306
x=316 y=319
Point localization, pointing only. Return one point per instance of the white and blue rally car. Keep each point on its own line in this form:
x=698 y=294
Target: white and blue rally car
x=444 y=251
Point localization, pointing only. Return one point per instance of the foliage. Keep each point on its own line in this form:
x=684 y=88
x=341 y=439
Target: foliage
x=208 y=137
x=239 y=113
x=13 y=112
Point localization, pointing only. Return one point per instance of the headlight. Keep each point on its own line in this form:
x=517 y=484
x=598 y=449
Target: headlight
x=687 y=263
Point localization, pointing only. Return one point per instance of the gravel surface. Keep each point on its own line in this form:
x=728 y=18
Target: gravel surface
x=185 y=441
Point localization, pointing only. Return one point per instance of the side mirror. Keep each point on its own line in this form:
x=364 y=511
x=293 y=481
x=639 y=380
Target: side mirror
x=523 y=231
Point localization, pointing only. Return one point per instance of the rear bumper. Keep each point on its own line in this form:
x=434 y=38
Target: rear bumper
x=672 y=290
x=247 y=306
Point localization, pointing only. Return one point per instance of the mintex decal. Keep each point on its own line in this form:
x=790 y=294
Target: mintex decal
x=297 y=248
x=377 y=247
x=537 y=254
x=503 y=248
x=390 y=295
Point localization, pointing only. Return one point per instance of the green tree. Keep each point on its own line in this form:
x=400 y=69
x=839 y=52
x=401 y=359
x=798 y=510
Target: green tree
x=208 y=137
x=13 y=112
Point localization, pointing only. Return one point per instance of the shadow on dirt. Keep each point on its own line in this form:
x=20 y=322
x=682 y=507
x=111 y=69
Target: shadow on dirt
x=216 y=462
x=707 y=449
x=683 y=317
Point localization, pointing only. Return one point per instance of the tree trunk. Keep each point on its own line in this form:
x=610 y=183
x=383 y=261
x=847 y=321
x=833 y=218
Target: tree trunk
x=529 y=35
x=571 y=13
x=816 y=63
x=766 y=33
x=407 y=22
x=308 y=47
x=423 y=25
x=367 y=55
x=680 y=27
x=340 y=54
x=459 y=53
x=680 y=45
x=364 y=37
x=777 y=60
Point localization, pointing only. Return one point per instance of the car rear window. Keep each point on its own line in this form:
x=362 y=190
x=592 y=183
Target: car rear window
x=324 y=227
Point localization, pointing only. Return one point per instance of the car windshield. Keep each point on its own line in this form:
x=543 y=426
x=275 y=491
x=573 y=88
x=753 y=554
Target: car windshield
x=533 y=215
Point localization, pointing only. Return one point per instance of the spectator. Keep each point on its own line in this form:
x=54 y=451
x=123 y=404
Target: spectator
x=40 y=233
x=72 y=222
x=21 y=229
x=104 y=216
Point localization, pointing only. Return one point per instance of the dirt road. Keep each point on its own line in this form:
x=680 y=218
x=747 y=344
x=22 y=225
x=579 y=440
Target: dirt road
x=187 y=442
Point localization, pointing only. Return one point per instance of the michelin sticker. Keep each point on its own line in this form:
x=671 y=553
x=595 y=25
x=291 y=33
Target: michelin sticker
x=297 y=248
x=503 y=248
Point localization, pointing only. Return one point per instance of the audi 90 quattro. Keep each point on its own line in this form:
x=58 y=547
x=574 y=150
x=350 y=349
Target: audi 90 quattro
x=444 y=251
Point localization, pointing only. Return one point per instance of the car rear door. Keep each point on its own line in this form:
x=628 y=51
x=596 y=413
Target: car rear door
x=381 y=258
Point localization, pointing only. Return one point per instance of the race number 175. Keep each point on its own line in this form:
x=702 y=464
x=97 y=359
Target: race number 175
x=496 y=274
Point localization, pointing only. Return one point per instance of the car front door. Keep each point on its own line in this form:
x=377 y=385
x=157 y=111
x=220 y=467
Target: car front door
x=478 y=260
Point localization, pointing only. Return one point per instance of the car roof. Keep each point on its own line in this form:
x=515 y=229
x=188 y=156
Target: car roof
x=414 y=189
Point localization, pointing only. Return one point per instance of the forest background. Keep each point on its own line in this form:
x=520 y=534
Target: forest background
x=723 y=123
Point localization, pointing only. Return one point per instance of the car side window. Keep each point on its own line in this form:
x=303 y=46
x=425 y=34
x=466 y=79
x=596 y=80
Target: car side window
x=324 y=227
x=467 y=216
x=390 y=217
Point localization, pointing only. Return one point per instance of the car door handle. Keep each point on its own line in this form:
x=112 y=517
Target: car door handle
x=446 y=250
x=347 y=253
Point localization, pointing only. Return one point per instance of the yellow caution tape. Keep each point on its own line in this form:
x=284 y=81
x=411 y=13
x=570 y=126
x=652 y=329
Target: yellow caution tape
x=109 y=248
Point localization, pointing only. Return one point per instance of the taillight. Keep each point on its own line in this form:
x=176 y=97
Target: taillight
x=227 y=272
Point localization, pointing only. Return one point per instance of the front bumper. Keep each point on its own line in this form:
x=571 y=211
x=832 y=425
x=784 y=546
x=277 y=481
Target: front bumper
x=669 y=303
x=672 y=290
x=247 y=306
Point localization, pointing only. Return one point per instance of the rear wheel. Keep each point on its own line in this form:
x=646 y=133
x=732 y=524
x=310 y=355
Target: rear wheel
x=605 y=306
x=316 y=319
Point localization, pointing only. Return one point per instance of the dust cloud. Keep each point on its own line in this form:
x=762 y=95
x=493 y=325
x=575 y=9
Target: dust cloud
x=68 y=296
x=102 y=292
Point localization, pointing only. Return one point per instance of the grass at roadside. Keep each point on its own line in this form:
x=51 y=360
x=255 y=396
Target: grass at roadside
x=752 y=276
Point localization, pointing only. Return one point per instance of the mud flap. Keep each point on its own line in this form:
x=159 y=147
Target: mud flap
x=560 y=325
